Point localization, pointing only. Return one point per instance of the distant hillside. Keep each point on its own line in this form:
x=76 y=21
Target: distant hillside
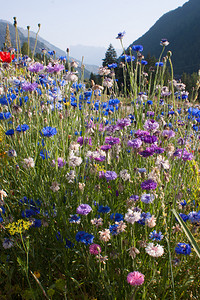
x=42 y=43
x=182 y=29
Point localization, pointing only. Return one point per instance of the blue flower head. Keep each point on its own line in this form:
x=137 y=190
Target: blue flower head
x=103 y=209
x=156 y=236
x=116 y=217
x=48 y=131
x=183 y=248
x=137 y=48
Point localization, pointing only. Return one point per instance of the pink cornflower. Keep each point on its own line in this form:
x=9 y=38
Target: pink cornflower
x=104 y=235
x=95 y=249
x=135 y=278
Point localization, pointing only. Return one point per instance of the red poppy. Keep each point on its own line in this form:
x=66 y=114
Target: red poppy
x=5 y=57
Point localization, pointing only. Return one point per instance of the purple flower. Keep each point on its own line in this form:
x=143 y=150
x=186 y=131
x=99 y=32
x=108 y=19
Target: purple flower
x=146 y=153
x=61 y=162
x=134 y=198
x=36 y=67
x=101 y=174
x=168 y=133
x=149 y=185
x=136 y=143
x=83 y=209
x=106 y=147
x=149 y=139
x=112 y=140
x=123 y=123
x=54 y=68
x=140 y=133
x=151 y=125
x=29 y=87
x=110 y=175
x=86 y=141
x=147 y=198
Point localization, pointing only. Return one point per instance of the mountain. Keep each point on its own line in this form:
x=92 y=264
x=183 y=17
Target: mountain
x=41 y=43
x=181 y=27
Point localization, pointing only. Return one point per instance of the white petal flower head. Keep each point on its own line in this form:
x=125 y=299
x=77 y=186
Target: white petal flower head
x=75 y=161
x=124 y=175
x=55 y=186
x=161 y=163
x=154 y=250
x=132 y=217
x=28 y=163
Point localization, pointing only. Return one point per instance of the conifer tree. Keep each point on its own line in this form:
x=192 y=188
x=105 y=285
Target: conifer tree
x=110 y=56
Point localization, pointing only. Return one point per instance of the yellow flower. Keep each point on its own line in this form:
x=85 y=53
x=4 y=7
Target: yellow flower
x=37 y=274
x=18 y=227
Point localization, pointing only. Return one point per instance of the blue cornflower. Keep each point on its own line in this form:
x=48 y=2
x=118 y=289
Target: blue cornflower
x=116 y=217
x=74 y=219
x=144 y=217
x=44 y=154
x=144 y=62
x=112 y=66
x=48 y=131
x=21 y=128
x=194 y=216
x=113 y=229
x=84 y=237
x=103 y=209
x=183 y=248
x=120 y=35
x=5 y=116
x=69 y=244
x=160 y=64
x=184 y=217
x=10 y=132
x=137 y=48
x=156 y=236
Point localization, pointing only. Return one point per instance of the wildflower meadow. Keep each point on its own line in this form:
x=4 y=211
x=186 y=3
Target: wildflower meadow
x=99 y=190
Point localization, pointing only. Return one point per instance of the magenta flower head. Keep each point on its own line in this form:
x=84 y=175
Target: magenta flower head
x=95 y=249
x=83 y=209
x=135 y=278
x=149 y=185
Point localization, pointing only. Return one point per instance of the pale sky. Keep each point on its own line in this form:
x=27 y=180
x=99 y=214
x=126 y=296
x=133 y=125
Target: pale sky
x=87 y=22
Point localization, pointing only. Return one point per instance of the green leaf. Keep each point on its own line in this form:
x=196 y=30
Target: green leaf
x=187 y=232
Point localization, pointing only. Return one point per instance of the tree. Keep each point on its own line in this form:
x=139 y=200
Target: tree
x=110 y=56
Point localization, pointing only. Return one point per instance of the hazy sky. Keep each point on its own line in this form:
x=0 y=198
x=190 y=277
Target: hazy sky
x=87 y=22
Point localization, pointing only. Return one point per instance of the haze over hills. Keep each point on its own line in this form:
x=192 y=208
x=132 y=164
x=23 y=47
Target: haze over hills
x=92 y=55
x=182 y=29
x=42 y=43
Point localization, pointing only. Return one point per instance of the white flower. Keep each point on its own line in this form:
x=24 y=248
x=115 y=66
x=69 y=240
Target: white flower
x=55 y=186
x=151 y=222
x=97 y=222
x=3 y=194
x=108 y=82
x=124 y=175
x=70 y=76
x=104 y=71
x=74 y=147
x=155 y=251
x=28 y=163
x=132 y=217
x=104 y=235
x=75 y=161
x=161 y=163
x=7 y=243
x=71 y=176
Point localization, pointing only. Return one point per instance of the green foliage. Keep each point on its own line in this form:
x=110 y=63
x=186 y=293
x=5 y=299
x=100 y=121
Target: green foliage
x=110 y=56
